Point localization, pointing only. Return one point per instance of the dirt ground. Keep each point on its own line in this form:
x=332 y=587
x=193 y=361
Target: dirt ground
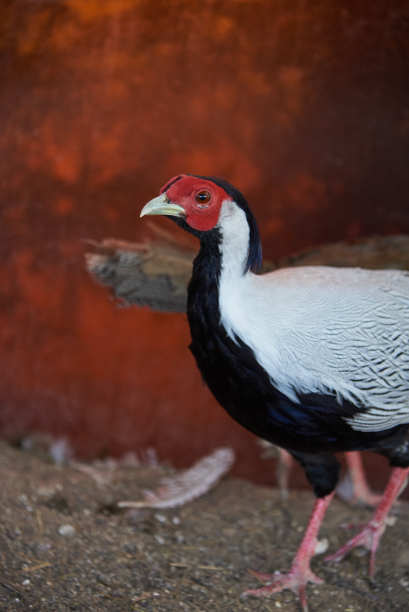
x=64 y=545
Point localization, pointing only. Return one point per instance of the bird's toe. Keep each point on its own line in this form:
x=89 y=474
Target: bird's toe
x=368 y=538
x=295 y=580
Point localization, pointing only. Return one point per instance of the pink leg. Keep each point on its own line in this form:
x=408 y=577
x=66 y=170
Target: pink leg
x=300 y=573
x=361 y=492
x=371 y=534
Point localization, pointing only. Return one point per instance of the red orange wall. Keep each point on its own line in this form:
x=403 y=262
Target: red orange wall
x=304 y=106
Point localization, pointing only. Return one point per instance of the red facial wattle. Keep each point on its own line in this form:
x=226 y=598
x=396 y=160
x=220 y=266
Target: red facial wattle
x=202 y=213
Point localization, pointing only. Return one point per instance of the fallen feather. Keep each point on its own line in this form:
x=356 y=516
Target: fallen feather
x=187 y=485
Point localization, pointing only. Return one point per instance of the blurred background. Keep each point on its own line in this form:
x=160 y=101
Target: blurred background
x=304 y=106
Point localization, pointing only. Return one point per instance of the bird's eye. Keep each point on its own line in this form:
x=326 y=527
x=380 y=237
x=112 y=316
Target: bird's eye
x=203 y=198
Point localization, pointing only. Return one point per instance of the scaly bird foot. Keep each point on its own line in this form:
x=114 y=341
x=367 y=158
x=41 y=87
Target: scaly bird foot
x=296 y=580
x=300 y=573
x=368 y=538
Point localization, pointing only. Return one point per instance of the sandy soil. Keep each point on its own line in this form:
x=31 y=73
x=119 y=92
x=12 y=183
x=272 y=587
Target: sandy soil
x=65 y=546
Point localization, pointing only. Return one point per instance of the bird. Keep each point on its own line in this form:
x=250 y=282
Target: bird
x=314 y=359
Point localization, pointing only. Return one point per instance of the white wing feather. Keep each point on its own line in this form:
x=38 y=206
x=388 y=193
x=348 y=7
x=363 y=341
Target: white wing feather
x=328 y=330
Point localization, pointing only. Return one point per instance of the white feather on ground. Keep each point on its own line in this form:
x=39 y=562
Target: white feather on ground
x=188 y=485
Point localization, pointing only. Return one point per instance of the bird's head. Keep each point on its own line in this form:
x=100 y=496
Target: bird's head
x=204 y=205
x=197 y=200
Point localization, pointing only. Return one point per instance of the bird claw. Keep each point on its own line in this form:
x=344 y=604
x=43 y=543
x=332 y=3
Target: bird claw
x=368 y=538
x=295 y=580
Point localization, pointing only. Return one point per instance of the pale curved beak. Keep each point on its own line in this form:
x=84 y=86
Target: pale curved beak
x=162 y=206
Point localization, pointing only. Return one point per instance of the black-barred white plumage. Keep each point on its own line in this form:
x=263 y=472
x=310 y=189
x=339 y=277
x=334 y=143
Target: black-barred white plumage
x=314 y=359
x=342 y=332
